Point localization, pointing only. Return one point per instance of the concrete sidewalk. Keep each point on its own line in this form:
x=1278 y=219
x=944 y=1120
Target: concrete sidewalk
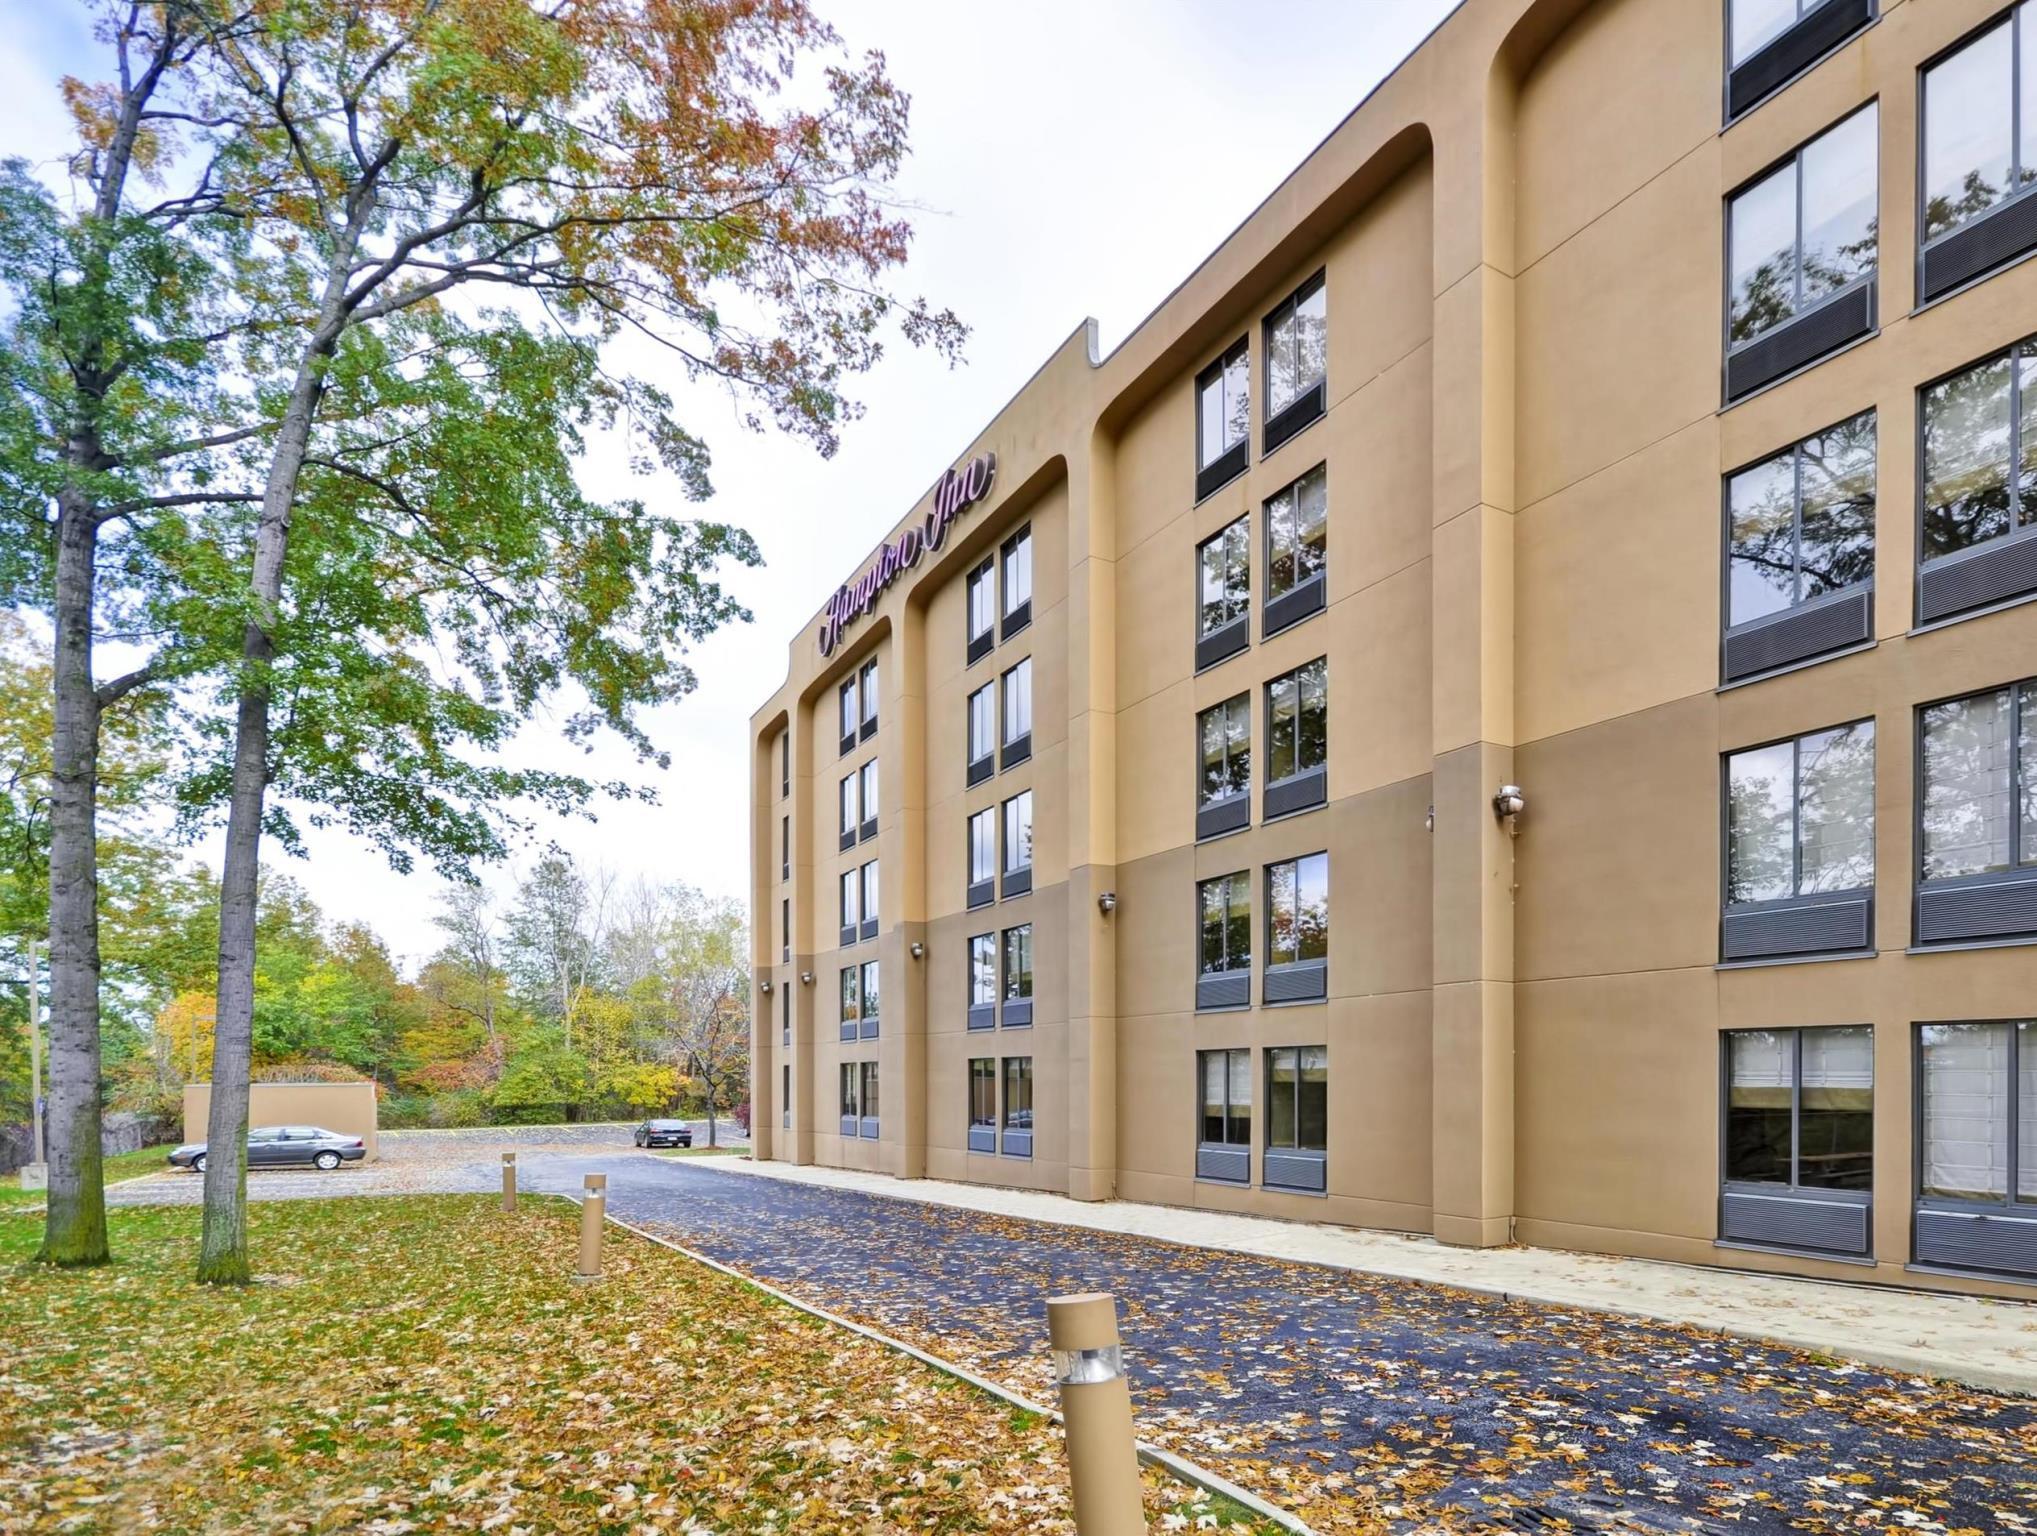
x=1976 y=1341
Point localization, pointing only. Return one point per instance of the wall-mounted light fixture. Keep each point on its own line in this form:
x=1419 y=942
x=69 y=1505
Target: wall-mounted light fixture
x=1107 y=903
x=919 y=950
x=767 y=986
x=806 y=978
x=1507 y=804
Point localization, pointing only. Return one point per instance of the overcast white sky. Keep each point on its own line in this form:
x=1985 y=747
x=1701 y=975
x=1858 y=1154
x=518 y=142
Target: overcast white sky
x=1071 y=158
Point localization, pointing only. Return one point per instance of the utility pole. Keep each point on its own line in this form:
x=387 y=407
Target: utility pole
x=40 y=1176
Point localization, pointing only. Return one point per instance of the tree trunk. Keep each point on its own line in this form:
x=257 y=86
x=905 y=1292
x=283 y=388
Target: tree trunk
x=74 y=1229
x=223 y=1243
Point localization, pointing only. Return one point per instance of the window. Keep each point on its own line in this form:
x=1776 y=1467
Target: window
x=1757 y=23
x=1018 y=975
x=869 y=1098
x=1018 y=713
x=1977 y=1152
x=1800 y=235
x=1980 y=486
x=1980 y=124
x=1297 y=346
x=1297 y=1116
x=1223 y=794
x=1297 y=929
x=1018 y=844
x=1223 y=411
x=1224 y=1149
x=869 y=878
x=1224 y=942
x=982 y=981
x=846 y=699
x=1772 y=41
x=1800 y=1107
x=785 y=1015
x=1800 y=529
x=1297 y=544
x=982 y=857
x=1223 y=565
x=1018 y=1107
x=851 y=814
x=868 y=687
x=784 y=763
x=851 y=1083
x=1017 y=561
x=1977 y=816
x=1800 y=832
x=784 y=847
x=852 y=1000
x=982 y=610
x=868 y=775
x=785 y=928
x=869 y=1015
x=982 y=733
x=852 y=887
x=1297 y=738
x=983 y=1104
x=785 y=1097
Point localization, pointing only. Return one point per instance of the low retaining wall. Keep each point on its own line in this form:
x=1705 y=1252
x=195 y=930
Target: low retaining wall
x=123 y=1132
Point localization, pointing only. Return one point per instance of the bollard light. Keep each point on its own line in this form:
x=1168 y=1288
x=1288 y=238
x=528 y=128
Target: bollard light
x=1096 y=1414
x=593 y=1208
x=508 y=1181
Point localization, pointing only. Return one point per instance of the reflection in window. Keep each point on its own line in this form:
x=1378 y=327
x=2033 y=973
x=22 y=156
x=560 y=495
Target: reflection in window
x=1297 y=532
x=870 y=989
x=982 y=971
x=868 y=686
x=1018 y=963
x=1804 y=231
x=1802 y=523
x=1800 y=816
x=849 y=1086
x=1980 y=458
x=1018 y=833
x=1226 y=731
x=846 y=697
x=1225 y=942
x=1018 y=1093
x=870 y=892
x=982 y=600
x=1972 y=1078
x=851 y=894
x=1979 y=813
x=1800 y=1107
x=1973 y=100
x=849 y=801
x=869 y=1090
x=1757 y=23
x=1297 y=721
x=1297 y=345
x=852 y=994
x=1298 y=910
x=1224 y=578
x=1226 y=1078
x=982 y=847
x=1018 y=701
x=1223 y=406
x=1298 y=1098
x=1018 y=572
x=982 y=1093
x=868 y=776
x=982 y=722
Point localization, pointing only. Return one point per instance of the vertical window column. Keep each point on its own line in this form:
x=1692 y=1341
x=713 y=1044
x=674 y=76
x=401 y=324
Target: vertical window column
x=1018 y=976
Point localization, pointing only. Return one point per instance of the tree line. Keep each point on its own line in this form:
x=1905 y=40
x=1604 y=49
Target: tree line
x=295 y=367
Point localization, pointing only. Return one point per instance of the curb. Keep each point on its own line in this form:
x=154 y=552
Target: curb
x=2005 y=1383
x=1150 y=1455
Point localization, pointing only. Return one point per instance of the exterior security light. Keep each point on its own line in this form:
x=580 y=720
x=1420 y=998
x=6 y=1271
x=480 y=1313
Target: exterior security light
x=1107 y=903
x=919 y=950
x=806 y=978
x=767 y=986
x=1509 y=802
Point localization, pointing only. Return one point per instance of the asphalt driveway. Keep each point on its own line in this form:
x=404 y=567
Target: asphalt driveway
x=1349 y=1397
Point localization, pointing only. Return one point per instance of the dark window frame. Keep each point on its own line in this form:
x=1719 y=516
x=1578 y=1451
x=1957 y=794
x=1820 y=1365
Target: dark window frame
x=1866 y=11
x=1920 y=211
x=1796 y=894
x=1015 y=1010
x=1014 y=749
x=1307 y=595
x=982 y=577
x=1237 y=968
x=1794 y=1185
x=1006 y=870
x=848 y=712
x=982 y=890
x=1203 y=799
x=1214 y=471
x=1311 y=400
x=1272 y=1051
x=1307 y=784
x=868 y=779
x=1013 y=617
x=870 y=694
x=2018 y=534
x=982 y=1014
x=1218 y=643
x=2012 y=1171
x=1231 y=1054
x=983 y=1128
x=1015 y=1140
x=784 y=764
x=2022 y=866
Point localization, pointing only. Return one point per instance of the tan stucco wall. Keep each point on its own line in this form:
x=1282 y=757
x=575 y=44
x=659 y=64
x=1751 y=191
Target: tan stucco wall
x=1522 y=234
x=348 y=1108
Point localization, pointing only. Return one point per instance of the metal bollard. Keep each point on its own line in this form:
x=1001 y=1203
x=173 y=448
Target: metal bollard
x=508 y=1182
x=1096 y=1414
x=593 y=1208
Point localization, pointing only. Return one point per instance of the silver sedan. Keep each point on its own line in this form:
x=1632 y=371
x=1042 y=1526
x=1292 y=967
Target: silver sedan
x=277 y=1146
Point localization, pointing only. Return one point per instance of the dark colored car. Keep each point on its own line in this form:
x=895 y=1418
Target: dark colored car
x=277 y=1146
x=664 y=1133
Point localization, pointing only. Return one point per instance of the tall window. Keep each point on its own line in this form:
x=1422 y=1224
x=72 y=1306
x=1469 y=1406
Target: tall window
x=1804 y=231
x=867 y=685
x=870 y=1014
x=852 y=914
x=785 y=1015
x=1223 y=407
x=982 y=980
x=1980 y=124
x=1298 y=1098
x=1800 y=816
x=1226 y=731
x=1225 y=904
x=1017 y=560
x=1223 y=577
x=850 y=1084
x=1018 y=1105
x=869 y=873
x=1979 y=803
x=868 y=775
x=1297 y=721
x=1018 y=966
x=982 y=608
x=1980 y=454
x=983 y=1104
x=1801 y=524
x=1977 y=1081
x=1757 y=23
x=784 y=763
x=785 y=929
x=1018 y=703
x=785 y=1097
x=1018 y=832
x=849 y=807
x=784 y=847
x=983 y=724
x=982 y=854
x=1297 y=346
x=869 y=1098
x=1298 y=910
x=1800 y=1107
x=845 y=697
x=852 y=1000
x=1226 y=1078
x=1297 y=533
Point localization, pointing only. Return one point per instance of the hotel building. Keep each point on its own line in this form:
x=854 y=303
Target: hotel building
x=1506 y=708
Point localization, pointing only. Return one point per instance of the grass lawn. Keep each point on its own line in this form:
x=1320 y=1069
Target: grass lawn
x=426 y=1363
x=701 y=1151
x=120 y=1166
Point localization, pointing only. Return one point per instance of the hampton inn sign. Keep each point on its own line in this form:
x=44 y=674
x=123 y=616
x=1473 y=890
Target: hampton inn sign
x=959 y=490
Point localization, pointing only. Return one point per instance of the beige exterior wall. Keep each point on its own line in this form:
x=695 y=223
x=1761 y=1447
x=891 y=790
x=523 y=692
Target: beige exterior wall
x=348 y=1108
x=1521 y=233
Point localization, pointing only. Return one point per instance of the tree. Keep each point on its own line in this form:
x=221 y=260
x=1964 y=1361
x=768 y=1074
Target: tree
x=711 y=994
x=550 y=946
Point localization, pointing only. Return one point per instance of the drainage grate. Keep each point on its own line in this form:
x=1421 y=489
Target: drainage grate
x=1592 y=1512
